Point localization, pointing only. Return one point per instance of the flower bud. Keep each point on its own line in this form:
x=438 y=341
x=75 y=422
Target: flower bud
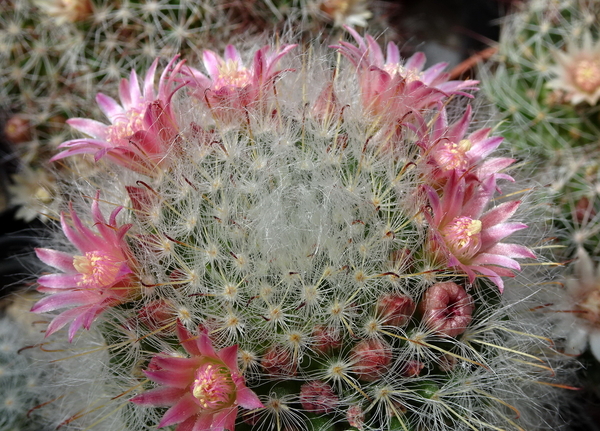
x=447 y=308
x=412 y=368
x=156 y=315
x=318 y=397
x=17 y=129
x=326 y=339
x=371 y=359
x=355 y=416
x=278 y=361
x=395 y=309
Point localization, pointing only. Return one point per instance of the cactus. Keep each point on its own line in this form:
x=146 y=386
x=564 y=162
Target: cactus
x=545 y=80
x=528 y=83
x=57 y=54
x=292 y=239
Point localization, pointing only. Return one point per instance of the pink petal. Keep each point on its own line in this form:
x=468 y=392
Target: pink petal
x=416 y=62
x=149 y=82
x=92 y=128
x=458 y=129
x=79 y=321
x=63 y=318
x=203 y=423
x=512 y=250
x=185 y=407
x=482 y=149
x=224 y=419
x=60 y=281
x=109 y=106
x=211 y=63
x=124 y=94
x=134 y=91
x=375 y=54
x=480 y=198
x=499 y=214
x=492 y=235
x=175 y=363
x=160 y=397
x=83 y=238
x=187 y=340
x=229 y=356
x=494 y=165
x=56 y=259
x=205 y=345
x=62 y=300
x=496 y=259
x=188 y=424
x=393 y=54
x=231 y=53
x=433 y=72
x=452 y=87
x=180 y=378
x=492 y=274
x=248 y=399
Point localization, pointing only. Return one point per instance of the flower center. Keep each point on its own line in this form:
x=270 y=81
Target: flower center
x=586 y=75
x=396 y=69
x=452 y=155
x=98 y=269
x=126 y=125
x=231 y=74
x=213 y=386
x=462 y=234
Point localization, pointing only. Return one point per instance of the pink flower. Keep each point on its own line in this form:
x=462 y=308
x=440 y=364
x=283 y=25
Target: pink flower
x=467 y=237
x=202 y=391
x=231 y=87
x=98 y=278
x=142 y=129
x=447 y=150
x=578 y=71
x=396 y=88
x=447 y=308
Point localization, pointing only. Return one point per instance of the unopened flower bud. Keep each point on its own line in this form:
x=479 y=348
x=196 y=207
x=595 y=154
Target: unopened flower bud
x=395 y=309
x=370 y=359
x=326 y=339
x=17 y=129
x=355 y=416
x=278 y=361
x=412 y=368
x=318 y=397
x=447 y=308
x=157 y=314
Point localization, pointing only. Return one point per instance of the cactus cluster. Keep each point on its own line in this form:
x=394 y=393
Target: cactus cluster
x=295 y=237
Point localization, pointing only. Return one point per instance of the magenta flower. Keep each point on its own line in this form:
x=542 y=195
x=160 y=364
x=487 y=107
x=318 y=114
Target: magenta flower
x=142 y=129
x=447 y=150
x=204 y=391
x=466 y=237
x=230 y=86
x=98 y=278
x=396 y=88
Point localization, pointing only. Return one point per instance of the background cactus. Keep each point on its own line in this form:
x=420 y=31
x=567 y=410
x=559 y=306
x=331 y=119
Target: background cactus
x=544 y=80
x=263 y=238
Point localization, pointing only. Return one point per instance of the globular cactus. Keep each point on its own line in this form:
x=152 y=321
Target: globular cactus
x=289 y=240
